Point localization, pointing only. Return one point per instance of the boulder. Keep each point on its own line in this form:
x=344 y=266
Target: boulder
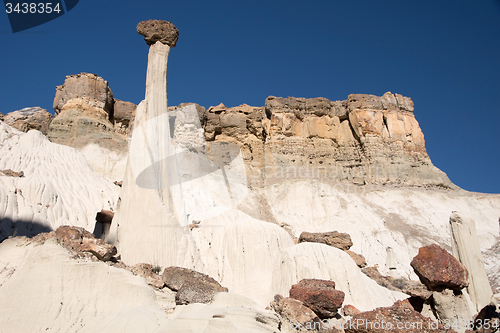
x=293 y=311
x=318 y=295
x=80 y=240
x=400 y=317
x=29 y=118
x=438 y=269
x=149 y=273
x=333 y=238
x=157 y=30
x=191 y=286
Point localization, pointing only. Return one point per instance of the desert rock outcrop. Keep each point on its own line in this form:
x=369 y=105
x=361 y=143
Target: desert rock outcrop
x=29 y=118
x=365 y=140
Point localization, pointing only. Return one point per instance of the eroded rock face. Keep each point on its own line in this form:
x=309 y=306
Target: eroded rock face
x=365 y=139
x=80 y=240
x=84 y=91
x=398 y=318
x=334 y=238
x=84 y=109
x=438 y=269
x=318 y=295
x=158 y=30
x=123 y=116
x=191 y=286
x=29 y=118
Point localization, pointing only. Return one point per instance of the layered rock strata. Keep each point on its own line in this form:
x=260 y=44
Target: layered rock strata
x=365 y=139
x=89 y=119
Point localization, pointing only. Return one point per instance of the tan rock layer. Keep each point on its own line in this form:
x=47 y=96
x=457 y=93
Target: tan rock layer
x=364 y=139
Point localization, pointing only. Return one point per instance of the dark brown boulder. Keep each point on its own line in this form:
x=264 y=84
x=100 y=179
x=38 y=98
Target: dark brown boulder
x=438 y=269
x=191 y=286
x=318 y=295
x=157 y=30
x=80 y=240
x=333 y=238
x=400 y=317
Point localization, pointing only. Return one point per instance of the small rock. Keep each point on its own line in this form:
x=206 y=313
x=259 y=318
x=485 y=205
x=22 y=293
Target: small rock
x=191 y=286
x=358 y=258
x=80 y=240
x=318 y=295
x=148 y=272
x=438 y=269
x=11 y=173
x=349 y=310
x=333 y=238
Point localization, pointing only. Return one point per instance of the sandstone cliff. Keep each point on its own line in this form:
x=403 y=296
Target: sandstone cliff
x=365 y=139
x=88 y=118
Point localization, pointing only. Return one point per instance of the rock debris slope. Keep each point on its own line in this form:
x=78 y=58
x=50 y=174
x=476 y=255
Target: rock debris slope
x=58 y=186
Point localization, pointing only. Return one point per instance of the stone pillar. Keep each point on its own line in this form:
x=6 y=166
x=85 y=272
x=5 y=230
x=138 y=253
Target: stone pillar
x=465 y=247
x=147 y=227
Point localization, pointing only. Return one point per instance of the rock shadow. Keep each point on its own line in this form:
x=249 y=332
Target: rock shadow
x=9 y=227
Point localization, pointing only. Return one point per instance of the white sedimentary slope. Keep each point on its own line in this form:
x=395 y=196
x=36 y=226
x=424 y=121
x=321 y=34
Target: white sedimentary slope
x=377 y=217
x=58 y=186
x=44 y=289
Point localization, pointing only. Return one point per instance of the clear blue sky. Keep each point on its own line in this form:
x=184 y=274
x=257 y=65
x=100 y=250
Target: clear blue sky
x=445 y=55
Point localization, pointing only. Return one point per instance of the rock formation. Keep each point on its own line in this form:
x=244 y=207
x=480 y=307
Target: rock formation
x=123 y=116
x=84 y=109
x=465 y=245
x=365 y=139
x=29 y=118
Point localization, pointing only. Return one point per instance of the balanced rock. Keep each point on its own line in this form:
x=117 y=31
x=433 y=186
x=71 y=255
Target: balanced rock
x=438 y=269
x=80 y=240
x=318 y=295
x=191 y=286
x=400 y=317
x=29 y=118
x=333 y=238
x=157 y=30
